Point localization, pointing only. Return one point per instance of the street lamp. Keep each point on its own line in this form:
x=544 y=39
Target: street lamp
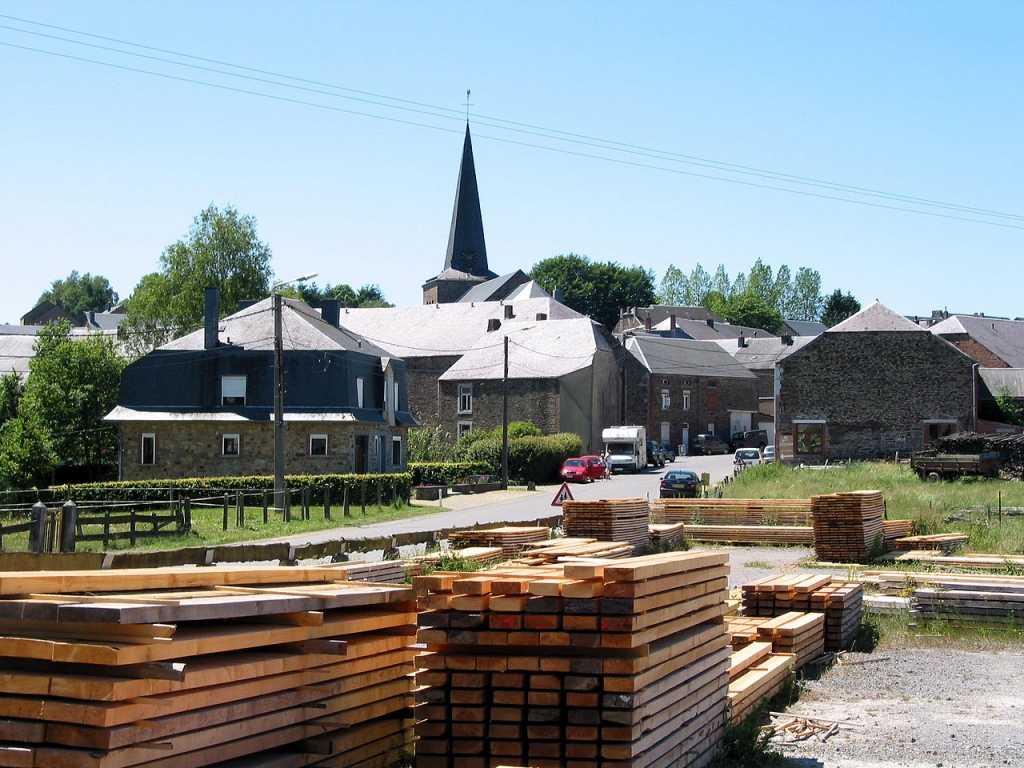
x=279 y=501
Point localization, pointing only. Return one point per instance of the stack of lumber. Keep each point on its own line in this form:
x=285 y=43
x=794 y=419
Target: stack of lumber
x=378 y=572
x=196 y=666
x=612 y=663
x=895 y=529
x=734 y=511
x=751 y=534
x=797 y=633
x=554 y=550
x=755 y=673
x=511 y=538
x=664 y=535
x=482 y=555
x=841 y=602
x=958 y=598
x=608 y=520
x=969 y=561
x=947 y=543
x=847 y=526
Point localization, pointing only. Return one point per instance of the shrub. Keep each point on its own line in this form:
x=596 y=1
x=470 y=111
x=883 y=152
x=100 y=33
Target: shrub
x=447 y=473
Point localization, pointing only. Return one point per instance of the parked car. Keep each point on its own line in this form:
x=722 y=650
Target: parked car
x=768 y=454
x=655 y=456
x=708 y=444
x=679 y=484
x=669 y=451
x=752 y=438
x=575 y=471
x=743 y=458
x=597 y=468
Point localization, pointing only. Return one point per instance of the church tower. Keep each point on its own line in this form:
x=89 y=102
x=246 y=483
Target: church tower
x=465 y=263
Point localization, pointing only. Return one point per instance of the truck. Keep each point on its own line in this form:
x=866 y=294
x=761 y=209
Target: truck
x=625 y=448
x=935 y=467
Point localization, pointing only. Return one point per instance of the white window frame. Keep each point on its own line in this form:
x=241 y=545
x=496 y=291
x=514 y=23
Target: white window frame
x=465 y=398
x=396 y=451
x=395 y=400
x=229 y=441
x=686 y=399
x=462 y=428
x=319 y=439
x=666 y=400
x=147 y=437
x=359 y=392
x=232 y=388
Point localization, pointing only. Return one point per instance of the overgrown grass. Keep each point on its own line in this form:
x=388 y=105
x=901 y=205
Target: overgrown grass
x=968 y=505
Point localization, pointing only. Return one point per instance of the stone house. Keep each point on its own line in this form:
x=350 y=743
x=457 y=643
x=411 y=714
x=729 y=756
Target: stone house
x=203 y=405
x=760 y=355
x=874 y=384
x=679 y=388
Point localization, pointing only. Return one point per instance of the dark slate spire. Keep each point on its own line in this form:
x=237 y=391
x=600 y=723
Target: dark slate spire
x=466 y=249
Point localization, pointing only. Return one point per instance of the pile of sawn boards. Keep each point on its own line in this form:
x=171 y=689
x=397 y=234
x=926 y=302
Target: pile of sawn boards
x=848 y=526
x=620 y=664
x=511 y=538
x=841 y=602
x=175 y=668
x=740 y=521
x=608 y=520
x=958 y=598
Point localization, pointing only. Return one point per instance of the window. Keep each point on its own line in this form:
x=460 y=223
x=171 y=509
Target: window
x=464 y=428
x=359 y=393
x=147 y=453
x=935 y=429
x=396 y=451
x=664 y=382
x=318 y=445
x=465 y=398
x=809 y=437
x=232 y=390
x=686 y=400
x=666 y=400
x=395 y=400
x=712 y=396
x=230 y=445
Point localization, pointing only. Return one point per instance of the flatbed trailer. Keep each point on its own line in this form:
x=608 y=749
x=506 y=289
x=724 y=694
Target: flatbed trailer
x=936 y=467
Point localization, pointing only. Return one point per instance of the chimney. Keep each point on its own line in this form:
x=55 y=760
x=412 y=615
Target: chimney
x=90 y=316
x=672 y=322
x=541 y=316
x=740 y=341
x=647 y=323
x=558 y=295
x=787 y=341
x=493 y=324
x=508 y=311
x=330 y=311
x=211 y=317
x=711 y=322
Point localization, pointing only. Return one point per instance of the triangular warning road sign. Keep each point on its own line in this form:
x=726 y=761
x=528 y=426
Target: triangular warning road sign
x=564 y=494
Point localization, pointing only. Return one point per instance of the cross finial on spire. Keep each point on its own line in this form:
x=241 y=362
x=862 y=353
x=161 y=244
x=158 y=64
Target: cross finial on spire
x=467 y=105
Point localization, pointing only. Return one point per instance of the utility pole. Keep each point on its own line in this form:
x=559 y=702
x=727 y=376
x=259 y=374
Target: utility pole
x=504 y=422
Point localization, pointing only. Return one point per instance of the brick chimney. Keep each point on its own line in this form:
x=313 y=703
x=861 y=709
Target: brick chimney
x=330 y=311
x=211 y=317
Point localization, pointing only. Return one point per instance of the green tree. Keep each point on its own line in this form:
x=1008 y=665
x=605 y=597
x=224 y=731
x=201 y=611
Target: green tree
x=369 y=295
x=1010 y=410
x=838 y=307
x=673 y=287
x=221 y=250
x=803 y=301
x=71 y=386
x=78 y=294
x=750 y=310
x=26 y=459
x=11 y=389
x=597 y=290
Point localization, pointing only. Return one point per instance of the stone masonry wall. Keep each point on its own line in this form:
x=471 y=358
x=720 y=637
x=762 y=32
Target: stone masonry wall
x=533 y=400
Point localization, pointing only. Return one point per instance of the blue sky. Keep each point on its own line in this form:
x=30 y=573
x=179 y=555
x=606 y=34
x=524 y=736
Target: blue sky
x=101 y=167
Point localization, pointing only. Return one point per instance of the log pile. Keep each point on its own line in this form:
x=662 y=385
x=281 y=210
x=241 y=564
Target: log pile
x=848 y=526
x=608 y=520
x=734 y=511
x=620 y=663
x=511 y=538
x=842 y=603
x=193 y=667
x=1010 y=447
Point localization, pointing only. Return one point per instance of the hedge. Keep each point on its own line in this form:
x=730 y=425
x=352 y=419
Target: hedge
x=448 y=472
x=530 y=459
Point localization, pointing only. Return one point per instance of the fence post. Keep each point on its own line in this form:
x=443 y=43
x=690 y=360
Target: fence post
x=37 y=533
x=327 y=501
x=345 y=499
x=287 y=505
x=305 y=502
x=239 y=509
x=187 y=512
x=132 y=517
x=362 y=495
x=266 y=507
x=68 y=523
x=225 y=511
x=106 y=527
x=380 y=480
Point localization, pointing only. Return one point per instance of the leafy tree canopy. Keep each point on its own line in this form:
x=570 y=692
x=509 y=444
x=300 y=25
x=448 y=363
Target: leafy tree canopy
x=369 y=295
x=597 y=290
x=11 y=389
x=221 y=250
x=838 y=307
x=78 y=294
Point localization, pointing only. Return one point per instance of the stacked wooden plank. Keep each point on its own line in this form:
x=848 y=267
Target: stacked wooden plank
x=751 y=534
x=608 y=520
x=959 y=598
x=841 y=602
x=377 y=572
x=947 y=543
x=797 y=633
x=555 y=550
x=482 y=555
x=895 y=529
x=755 y=673
x=968 y=561
x=665 y=535
x=615 y=663
x=181 y=668
x=511 y=538
x=734 y=511
x=848 y=526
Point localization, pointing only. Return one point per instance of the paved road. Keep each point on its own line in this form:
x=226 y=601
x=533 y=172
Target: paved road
x=519 y=505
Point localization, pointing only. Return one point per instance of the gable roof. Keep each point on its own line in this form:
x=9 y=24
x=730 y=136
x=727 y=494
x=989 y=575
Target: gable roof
x=438 y=330
x=805 y=327
x=685 y=357
x=1004 y=338
x=537 y=349
x=497 y=288
x=302 y=327
x=763 y=354
x=875 y=317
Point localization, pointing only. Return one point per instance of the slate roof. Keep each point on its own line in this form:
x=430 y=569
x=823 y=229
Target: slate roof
x=875 y=317
x=302 y=327
x=436 y=330
x=496 y=288
x=529 y=290
x=763 y=354
x=1004 y=338
x=467 y=251
x=685 y=357
x=17 y=345
x=537 y=349
x=805 y=327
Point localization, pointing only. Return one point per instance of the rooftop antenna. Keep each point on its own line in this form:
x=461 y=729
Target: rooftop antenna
x=467 y=105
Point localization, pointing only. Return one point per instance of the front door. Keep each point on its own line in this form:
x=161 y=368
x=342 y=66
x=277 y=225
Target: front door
x=362 y=443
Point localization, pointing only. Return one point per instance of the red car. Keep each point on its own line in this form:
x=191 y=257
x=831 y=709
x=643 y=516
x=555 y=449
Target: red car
x=598 y=469
x=576 y=470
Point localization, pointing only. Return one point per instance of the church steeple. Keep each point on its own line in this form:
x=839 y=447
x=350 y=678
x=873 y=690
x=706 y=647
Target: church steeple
x=466 y=249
